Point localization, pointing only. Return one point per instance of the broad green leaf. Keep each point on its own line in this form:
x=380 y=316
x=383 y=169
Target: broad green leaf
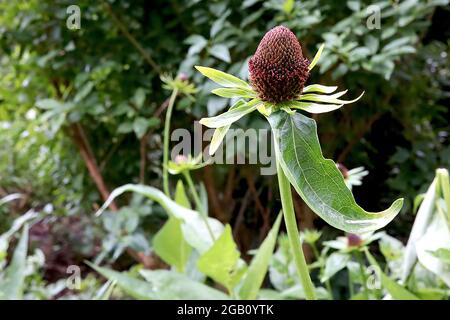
x=397 y=291
x=319 y=88
x=316 y=57
x=136 y=288
x=317 y=180
x=313 y=107
x=257 y=270
x=170 y=246
x=222 y=78
x=194 y=228
x=220 y=262
x=232 y=115
x=180 y=195
x=12 y=283
x=334 y=263
x=220 y=133
x=170 y=285
x=234 y=92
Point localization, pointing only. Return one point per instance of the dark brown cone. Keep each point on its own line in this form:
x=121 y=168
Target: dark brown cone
x=278 y=71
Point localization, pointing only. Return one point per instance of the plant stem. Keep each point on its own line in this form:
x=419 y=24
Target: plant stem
x=292 y=231
x=360 y=259
x=198 y=203
x=166 y=142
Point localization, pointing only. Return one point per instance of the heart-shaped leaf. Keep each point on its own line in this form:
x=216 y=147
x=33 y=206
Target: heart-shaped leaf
x=317 y=180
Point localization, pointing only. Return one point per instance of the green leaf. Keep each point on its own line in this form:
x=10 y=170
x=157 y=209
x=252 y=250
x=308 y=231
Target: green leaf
x=220 y=262
x=232 y=115
x=12 y=283
x=220 y=133
x=234 y=92
x=194 y=229
x=170 y=245
x=335 y=263
x=220 y=51
x=175 y=286
x=313 y=107
x=222 y=78
x=316 y=57
x=317 y=180
x=288 y=6
x=395 y=290
x=49 y=104
x=136 y=288
x=319 y=88
x=140 y=126
x=180 y=195
x=258 y=267
x=328 y=99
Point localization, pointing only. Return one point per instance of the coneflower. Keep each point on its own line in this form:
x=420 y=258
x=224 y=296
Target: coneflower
x=278 y=70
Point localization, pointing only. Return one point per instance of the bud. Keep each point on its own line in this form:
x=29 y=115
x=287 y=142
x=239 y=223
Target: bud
x=278 y=71
x=354 y=240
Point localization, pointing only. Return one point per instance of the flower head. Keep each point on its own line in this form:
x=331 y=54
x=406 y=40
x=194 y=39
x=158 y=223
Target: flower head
x=278 y=70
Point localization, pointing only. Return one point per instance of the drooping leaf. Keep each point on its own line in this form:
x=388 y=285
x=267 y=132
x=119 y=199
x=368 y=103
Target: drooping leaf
x=194 y=228
x=334 y=98
x=222 y=78
x=232 y=115
x=220 y=262
x=174 y=286
x=313 y=107
x=397 y=291
x=12 y=283
x=257 y=270
x=170 y=245
x=317 y=180
x=180 y=195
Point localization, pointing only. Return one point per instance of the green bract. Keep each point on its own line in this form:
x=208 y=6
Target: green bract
x=316 y=179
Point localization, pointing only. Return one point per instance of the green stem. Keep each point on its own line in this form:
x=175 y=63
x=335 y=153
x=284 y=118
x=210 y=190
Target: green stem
x=360 y=259
x=292 y=231
x=166 y=142
x=198 y=203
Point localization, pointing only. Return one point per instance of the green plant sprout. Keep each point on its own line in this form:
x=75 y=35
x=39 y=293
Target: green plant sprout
x=278 y=73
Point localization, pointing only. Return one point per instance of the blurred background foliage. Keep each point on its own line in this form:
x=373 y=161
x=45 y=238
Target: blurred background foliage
x=81 y=110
